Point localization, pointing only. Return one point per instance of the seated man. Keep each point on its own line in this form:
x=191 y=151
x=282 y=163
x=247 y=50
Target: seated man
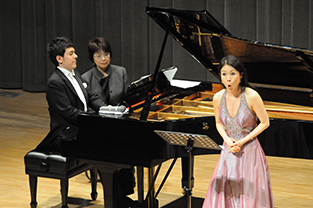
x=66 y=96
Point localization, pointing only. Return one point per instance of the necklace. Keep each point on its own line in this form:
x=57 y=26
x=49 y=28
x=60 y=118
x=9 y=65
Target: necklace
x=232 y=104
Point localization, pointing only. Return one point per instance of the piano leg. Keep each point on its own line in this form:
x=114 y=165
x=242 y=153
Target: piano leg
x=152 y=201
x=106 y=171
x=188 y=188
x=33 y=190
x=187 y=201
x=140 y=183
x=187 y=172
x=94 y=178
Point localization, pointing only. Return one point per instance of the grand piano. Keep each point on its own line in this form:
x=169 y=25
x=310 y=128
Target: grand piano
x=282 y=75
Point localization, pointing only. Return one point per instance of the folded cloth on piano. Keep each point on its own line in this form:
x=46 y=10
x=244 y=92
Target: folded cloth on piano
x=110 y=110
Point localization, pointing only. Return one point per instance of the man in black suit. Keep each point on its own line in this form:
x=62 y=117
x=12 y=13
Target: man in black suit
x=66 y=95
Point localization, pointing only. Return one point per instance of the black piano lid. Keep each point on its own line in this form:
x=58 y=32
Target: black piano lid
x=269 y=66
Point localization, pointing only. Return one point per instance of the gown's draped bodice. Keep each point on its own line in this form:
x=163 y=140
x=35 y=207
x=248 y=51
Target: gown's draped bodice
x=242 y=123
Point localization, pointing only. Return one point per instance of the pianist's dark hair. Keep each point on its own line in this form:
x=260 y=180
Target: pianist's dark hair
x=97 y=44
x=233 y=61
x=57 y=47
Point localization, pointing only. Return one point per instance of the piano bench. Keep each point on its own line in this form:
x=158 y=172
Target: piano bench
x=39 y=164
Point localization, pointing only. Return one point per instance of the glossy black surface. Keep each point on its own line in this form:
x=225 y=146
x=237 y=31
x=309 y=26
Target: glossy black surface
x=286 y=69
x=134 y=142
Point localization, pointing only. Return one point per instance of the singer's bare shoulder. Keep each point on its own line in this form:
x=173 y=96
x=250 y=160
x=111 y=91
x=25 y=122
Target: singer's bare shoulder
x=252 y=94
x=253 y=98
x=217 y=97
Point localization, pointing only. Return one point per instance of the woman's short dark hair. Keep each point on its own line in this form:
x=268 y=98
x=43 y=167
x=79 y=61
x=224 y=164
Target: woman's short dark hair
x=234 y=61
x=57 y=47
x=98 y=44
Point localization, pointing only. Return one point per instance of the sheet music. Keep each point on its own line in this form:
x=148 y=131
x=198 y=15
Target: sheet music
x=170 y=72
x=184 y=83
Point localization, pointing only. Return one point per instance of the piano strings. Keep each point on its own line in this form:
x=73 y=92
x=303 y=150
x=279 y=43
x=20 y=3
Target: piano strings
x=199 y=104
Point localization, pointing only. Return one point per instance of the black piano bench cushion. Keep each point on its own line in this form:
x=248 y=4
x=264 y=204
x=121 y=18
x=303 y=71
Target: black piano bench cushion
x=53 y=165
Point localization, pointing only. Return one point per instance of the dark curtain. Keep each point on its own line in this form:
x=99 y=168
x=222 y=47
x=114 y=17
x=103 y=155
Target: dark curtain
x=28 y=25
x=10 y=44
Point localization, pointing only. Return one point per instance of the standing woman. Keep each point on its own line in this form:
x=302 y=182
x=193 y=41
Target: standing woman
x=109 y=81
x=241 y=177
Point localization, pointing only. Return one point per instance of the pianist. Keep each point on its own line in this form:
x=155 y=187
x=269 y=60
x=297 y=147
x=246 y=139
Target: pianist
x=66 y=95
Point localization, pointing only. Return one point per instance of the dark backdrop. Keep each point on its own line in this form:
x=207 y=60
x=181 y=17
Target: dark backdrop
x=26 y=26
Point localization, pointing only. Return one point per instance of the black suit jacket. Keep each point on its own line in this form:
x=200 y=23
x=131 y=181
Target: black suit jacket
x=118 y=83
x=65 y=105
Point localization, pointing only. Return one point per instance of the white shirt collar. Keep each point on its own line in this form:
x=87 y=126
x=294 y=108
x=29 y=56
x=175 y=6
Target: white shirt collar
x=66 y=72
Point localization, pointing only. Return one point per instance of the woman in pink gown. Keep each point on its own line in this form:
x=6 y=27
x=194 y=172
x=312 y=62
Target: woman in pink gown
x=241 y=178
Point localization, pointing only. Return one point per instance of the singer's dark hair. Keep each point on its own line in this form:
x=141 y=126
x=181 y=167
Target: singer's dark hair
x=57 y=47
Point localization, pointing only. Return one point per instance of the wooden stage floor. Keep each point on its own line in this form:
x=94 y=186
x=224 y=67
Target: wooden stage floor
x=24 y=121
